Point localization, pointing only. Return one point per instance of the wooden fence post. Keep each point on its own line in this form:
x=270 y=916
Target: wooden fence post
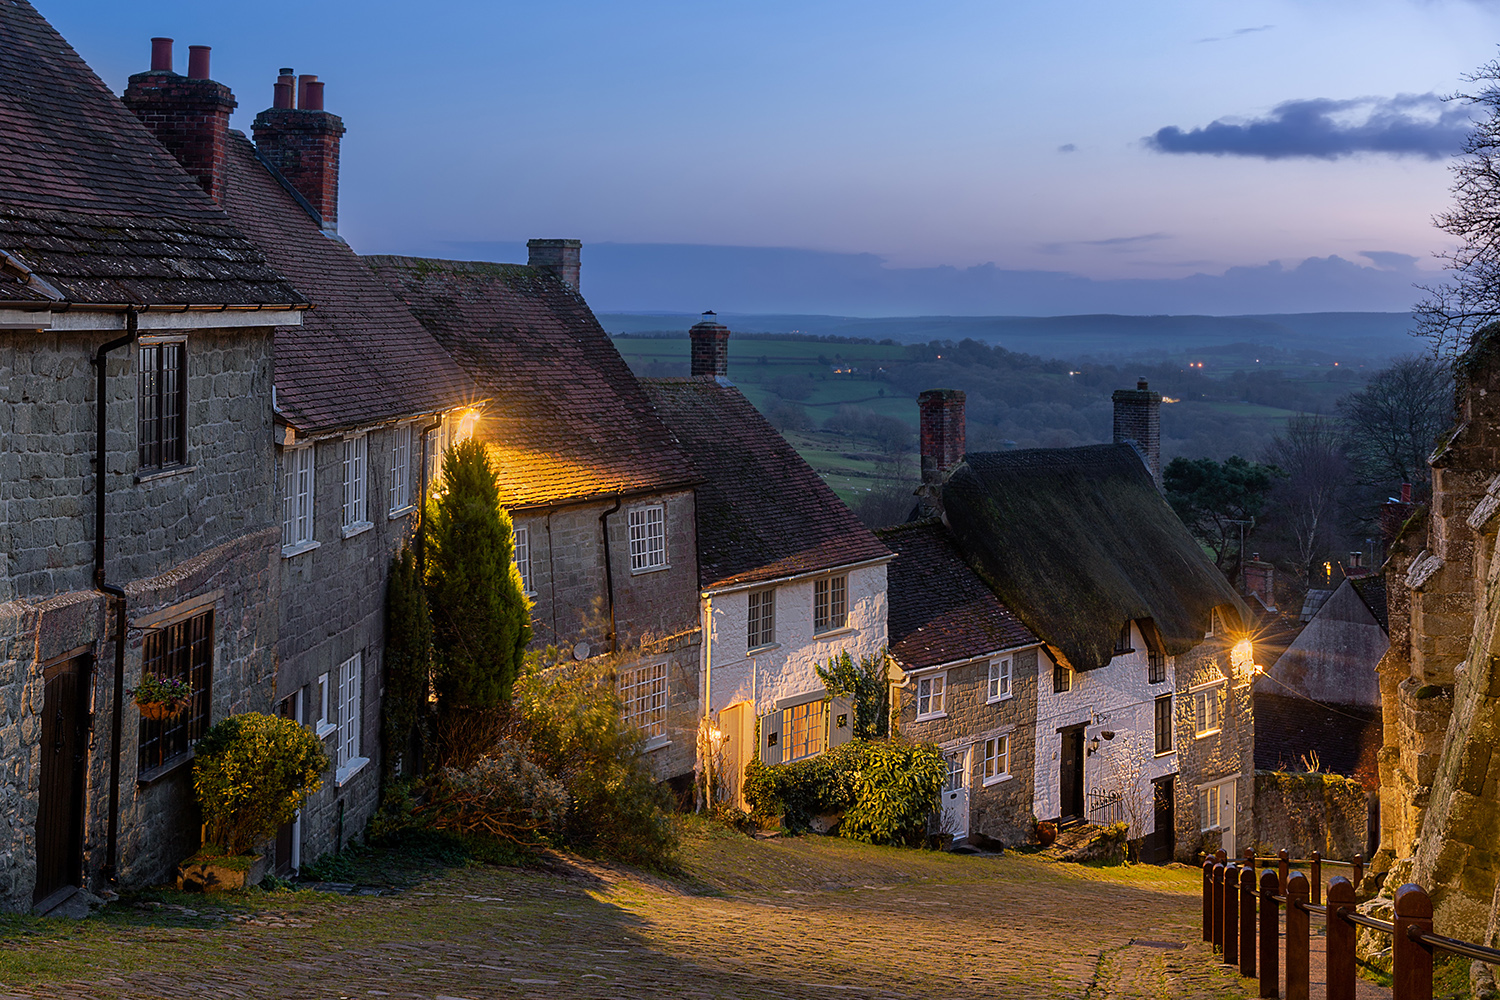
x=1208 y=900
x=1250 y=858
x=1411 y=961
x=1359 y=871
x=1231 y=915
x=1297 y=971
x=1219 y=906
x=1283 y=866
x=1247 y=922
x=1317 y=879
x=1270 y=935
x=1340 y=942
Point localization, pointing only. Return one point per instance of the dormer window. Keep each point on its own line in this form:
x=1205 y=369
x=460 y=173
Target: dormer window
x=1122 y=641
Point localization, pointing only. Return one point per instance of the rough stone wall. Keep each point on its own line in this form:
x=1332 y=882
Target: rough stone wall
x=1001 y=810
x=1230 y=752
x=1301 y=813
x=1400 y=805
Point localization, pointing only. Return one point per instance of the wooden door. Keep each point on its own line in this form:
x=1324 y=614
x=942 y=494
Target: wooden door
x=65 y=746
x=1070 y=778
x=1163 y=839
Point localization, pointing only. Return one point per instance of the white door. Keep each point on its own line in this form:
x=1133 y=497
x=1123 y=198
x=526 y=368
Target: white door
x=955 y=817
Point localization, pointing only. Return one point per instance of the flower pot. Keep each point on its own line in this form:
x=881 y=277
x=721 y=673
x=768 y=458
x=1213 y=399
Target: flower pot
x=160 y=710
x=1046 y=834
x=219 y=874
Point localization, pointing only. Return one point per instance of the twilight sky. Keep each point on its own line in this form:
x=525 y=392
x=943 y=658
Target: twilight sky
x=1119 y=146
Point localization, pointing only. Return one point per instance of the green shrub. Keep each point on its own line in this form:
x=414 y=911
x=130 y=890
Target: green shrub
x=898 y=791
x=408 y=653
x=503 y=795
x=800 y=790
x=252 y=773
x=866 y=683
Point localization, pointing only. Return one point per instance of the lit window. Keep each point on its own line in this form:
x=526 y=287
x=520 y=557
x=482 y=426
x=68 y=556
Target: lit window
x=830 y=604
x=354 y=482
x=804 y=730
x=523 y=557
x=162 y=409
x=930 y=692
x=401 y=468
x=996 y=759
x=1208 y=710
x=347 y=745
x=648 y=538
x=643 y=694
x=296 y=499
x=999 y=681
x=762 y=624
x=1164 y=724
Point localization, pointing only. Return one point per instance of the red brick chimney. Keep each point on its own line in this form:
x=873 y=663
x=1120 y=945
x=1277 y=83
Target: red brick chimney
x=710 y=347
x=1260 y=580
x=188 y=114
x=1138 y=422
x=557 y=257
x=302 y=143
x=942 y=438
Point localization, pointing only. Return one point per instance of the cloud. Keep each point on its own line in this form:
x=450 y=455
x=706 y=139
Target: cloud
x=1390 y=260
x=1321 y=128
x=1237 y=32
x=1067 y=147
x=1117 y=243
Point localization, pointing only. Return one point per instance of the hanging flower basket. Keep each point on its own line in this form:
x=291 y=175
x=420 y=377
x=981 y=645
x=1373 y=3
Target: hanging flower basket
x=160 y=699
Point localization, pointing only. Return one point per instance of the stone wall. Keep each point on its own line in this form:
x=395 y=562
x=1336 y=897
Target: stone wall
x=1217 y=756
x=1302 y=813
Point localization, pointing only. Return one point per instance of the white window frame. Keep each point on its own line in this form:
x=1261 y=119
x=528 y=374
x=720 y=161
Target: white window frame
x=1214 y=811
x=299 y=474
x=347 y=744
x=816 y=710
x=400 y=491
x=998 y=686
x=830 y=604
x=356 y=484
x=642 y=688
x=322 y=726
x=521 y=555
x=760 y=629
x=996 y=765
x=932 y=696
x=648 y=538
x=1212 y=694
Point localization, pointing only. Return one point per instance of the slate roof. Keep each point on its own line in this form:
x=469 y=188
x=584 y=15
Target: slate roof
x=1371 y=590
x=1346 y=738
x=1076 y=541
x=569 y=419
x=763 y=513
x=359 y=357
x=940 y=611
x=92 y=209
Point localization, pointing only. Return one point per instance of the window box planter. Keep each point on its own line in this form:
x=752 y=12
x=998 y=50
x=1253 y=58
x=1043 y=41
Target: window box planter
x=209 y=873
x=160 y=699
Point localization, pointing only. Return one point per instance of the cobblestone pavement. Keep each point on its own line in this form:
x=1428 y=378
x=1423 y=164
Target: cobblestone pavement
x=809 y=917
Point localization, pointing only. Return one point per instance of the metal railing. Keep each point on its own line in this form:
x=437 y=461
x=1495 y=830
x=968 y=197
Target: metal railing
x=1106 y=807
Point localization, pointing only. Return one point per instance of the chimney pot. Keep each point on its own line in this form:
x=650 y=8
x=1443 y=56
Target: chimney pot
x=710 y=347
x=161 y=55
x=941 y=413
x=556 y=257
x=301 y=140
x=1406 y=492
x=198 y=62
x=314 y=95
x=282 y=99
x=1141 y=385
x=302 y=82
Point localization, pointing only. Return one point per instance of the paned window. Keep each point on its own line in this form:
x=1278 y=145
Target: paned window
x=522 y=552
x=162 y=411
x=1156 y=667
x=1208 y=710
x=1216 y=806
x=182 y=651
x=643 y=693
x=830 y=604
x=648 y=538
x=762 y=628
x=1122 y=641
x=804 y=729
x=1062 y=679
x=999 y=680
x=296 y=497
x=1164 y=724
x=322 y=718
x=996 y=758
x=930 y=694
x=351 y=684
x=401 y=468
x=354 y=481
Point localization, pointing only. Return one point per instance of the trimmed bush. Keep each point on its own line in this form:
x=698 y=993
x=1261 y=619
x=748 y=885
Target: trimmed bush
x=251 y=774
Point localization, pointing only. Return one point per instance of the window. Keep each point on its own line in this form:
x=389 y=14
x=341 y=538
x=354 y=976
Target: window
x=522 y=553
x=1164 y=724
x=804 y=729
x=830 y=604
x=1122 y=641
x=322 y=725
x=162 y=412
x=648 y=538
x=296 y=499
x=996 y=759
x=999 y=682
x=1216 y=806
x=401 y=468
x=1208 y=710
x=643 y=692
x=930 y=694
x=354 y=482
x=351 y=720
x=1215 y=622
x=762 y=630
x=1062 y=679
x=1156 y=666
x=183 y=651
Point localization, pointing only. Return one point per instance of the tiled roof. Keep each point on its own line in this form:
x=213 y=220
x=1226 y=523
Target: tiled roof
x=763 y=513
x=1345 y=738
x=940 y=611
x=359 y=356
x=90 y=202
x=566 y=414
x=1371 y=590
x=1077 y=541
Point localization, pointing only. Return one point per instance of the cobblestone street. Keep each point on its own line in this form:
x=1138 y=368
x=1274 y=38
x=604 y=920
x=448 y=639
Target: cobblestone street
x=799 y=918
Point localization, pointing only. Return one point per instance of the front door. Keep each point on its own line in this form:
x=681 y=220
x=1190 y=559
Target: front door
x=288 y=837
x=1163 y=839
x=1070 y=777
x=65 y=745
x=956 y=795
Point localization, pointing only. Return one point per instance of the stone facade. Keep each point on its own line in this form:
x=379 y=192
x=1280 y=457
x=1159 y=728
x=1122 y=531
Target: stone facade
x=1216 y=756
x=1302 y=813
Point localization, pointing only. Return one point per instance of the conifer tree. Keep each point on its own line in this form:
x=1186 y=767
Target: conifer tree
x=408 y=660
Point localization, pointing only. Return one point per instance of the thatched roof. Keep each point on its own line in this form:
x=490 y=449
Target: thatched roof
x=1077 y=541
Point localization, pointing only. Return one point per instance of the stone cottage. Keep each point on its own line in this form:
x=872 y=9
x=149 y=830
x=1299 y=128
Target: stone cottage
x=788 y=578
x=141 y=511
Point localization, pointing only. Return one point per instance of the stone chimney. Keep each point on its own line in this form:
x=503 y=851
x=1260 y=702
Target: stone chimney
x=188 y=114
x=302 y=143
x=559 y=257
x=1260 y=580
x=942 y=438
x=1138 y=422
x=710 y=347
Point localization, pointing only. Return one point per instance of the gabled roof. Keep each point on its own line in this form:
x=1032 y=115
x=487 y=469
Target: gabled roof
x=1371 y=590
x=940 y=611
x=763 y=513
x=1346 y=738
x=1077 y=541
x=567 y=415
x=92 y=209
x=359 y=357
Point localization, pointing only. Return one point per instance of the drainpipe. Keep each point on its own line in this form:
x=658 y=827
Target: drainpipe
x=422 y=501
x=609 y=577
x=112 y=840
